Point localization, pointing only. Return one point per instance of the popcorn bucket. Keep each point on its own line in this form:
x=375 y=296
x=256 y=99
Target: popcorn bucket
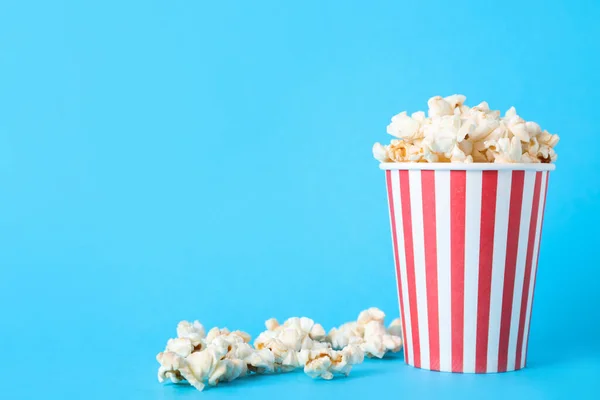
x=466 y=244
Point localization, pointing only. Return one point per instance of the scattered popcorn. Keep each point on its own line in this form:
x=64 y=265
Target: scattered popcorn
x=395 y=327
x=180 y=346
x=454 y=132
x=221 y=355
x=193 y=331
x=216 y=332
x=170 y=364
x=261 y=361
x=286 y=340
x=369 y=332
x=206 y=366
x=324 y=363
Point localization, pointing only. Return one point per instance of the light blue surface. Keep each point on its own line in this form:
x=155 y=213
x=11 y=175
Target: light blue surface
x=168 y=160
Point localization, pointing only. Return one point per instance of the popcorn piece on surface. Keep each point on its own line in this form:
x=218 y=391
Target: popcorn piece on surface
x=220 y=356
x=395 y=327
x=368 y=332
x=317 y=363
x=377 y=341
x=324 y=363
x=225 y=357
x=191 y=330
x=317 y=332
x=354 y=354
x=379 y=344
x=243 y=335
x=371 y=314
x=180 y=346
x=214 y=333
x=206 y=366
x=170 y=363
x=261 y=361
x=285 y=340
x=454 y=132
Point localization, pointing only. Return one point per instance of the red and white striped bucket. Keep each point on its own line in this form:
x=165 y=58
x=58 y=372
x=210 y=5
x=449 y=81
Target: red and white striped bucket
x=466 y=244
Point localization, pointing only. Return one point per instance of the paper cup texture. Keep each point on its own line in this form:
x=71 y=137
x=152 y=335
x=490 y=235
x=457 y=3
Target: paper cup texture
x=466 y=246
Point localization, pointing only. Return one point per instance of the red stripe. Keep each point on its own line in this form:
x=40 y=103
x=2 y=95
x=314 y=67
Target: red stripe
x=537 y=264
x=388 y=175
x=410 y=265
x=458 y=181
x=528 y=262
x=429 y=230
x=489 y=189
x=512 y=246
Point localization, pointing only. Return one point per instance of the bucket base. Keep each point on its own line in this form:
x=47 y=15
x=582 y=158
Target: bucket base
x=463 y=372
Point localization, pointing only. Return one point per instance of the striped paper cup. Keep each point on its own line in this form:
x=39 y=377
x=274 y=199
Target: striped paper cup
x=466 y=243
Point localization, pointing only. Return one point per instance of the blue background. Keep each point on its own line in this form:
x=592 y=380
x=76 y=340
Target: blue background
x=168 y=160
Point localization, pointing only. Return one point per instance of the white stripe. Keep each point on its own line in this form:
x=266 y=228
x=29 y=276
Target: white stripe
x=536 y=248
x=442 y=213
x=472 y=239
x=416 y=205
x=402 y=258
x=394 y=244
x=498 y=263
x=527 y=199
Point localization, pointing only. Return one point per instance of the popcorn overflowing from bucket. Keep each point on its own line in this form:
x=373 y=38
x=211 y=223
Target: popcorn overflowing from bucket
x=455 y=132
x=201 y=358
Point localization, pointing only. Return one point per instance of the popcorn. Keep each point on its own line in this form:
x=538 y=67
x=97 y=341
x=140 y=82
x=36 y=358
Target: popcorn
x=206 y=366
x=194 y=331
x=459 y=151
x=395 y=327
x=216 y=332
x=180 y=346
x=170 y=364
x=398 y=150
x=324 y=363
x=271 y=324
x=284 y=341
x=506 y=150
x=442 y=134
x=221 y=355
x=317 y=363
x=516 y=125
x=261 y=361
x=404 y=127
x=317 y=332
x=371 y=314
x=243 y=335
x=454 y=132
x=368 y=332
x=439 y=107
x=456 y=100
